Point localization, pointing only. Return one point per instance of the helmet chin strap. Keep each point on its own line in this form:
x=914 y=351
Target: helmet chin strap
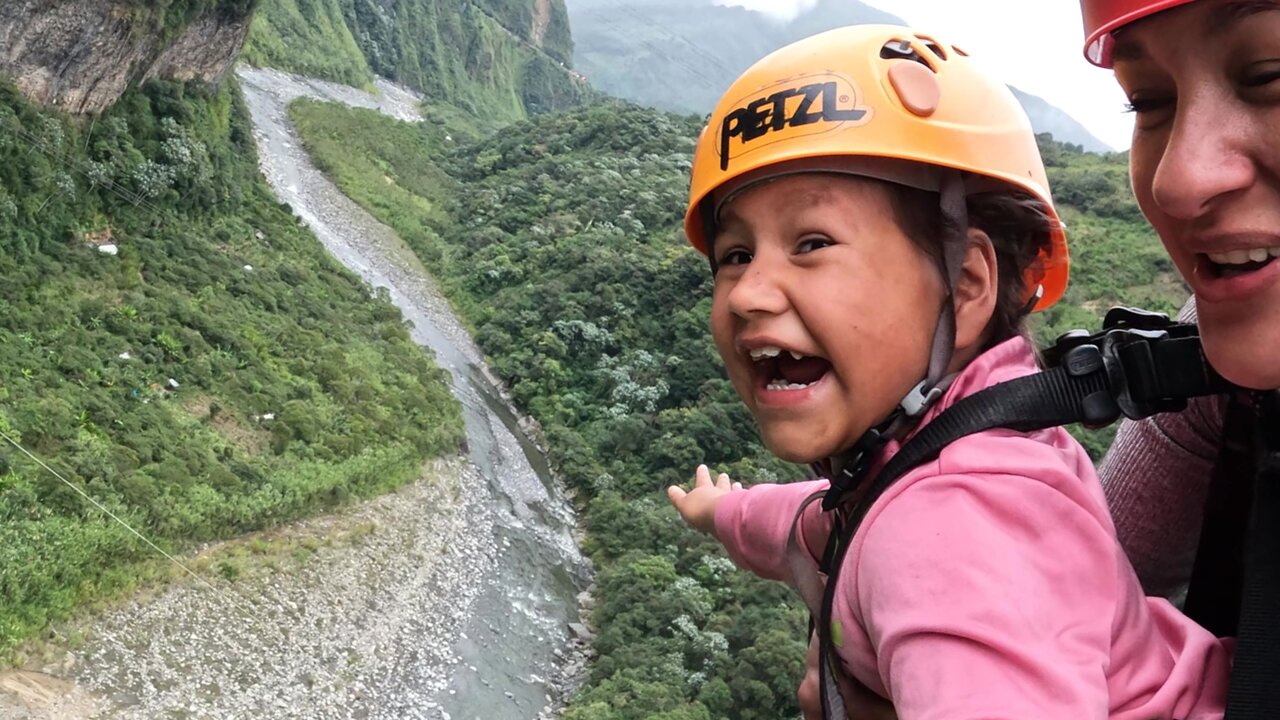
x=955 y=240
x=846 y=468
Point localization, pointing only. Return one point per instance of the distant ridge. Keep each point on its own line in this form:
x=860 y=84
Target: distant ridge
x=680 y=55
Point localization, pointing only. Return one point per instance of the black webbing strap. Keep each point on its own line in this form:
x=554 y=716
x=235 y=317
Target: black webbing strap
x=1213 y=597
x=1255 y=673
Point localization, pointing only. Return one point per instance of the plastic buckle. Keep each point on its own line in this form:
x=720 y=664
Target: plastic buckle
x=851 y=475
x=917 y=400
x=1100 y=408
x=1121 y=350
x=1135 y=319
x=1126 y=348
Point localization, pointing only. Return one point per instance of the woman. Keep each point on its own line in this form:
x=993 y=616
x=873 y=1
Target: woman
x=1203 y=79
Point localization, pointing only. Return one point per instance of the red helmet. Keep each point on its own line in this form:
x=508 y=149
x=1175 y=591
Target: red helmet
x=1103 y=17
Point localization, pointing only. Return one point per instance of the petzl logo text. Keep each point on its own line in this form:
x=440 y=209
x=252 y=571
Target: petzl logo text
x=788 y=112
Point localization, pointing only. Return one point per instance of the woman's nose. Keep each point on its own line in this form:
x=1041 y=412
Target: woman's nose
x=1206 y=157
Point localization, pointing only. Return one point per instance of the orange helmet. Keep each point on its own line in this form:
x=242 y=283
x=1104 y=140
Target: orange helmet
x=1103 y=17
x=875 y=100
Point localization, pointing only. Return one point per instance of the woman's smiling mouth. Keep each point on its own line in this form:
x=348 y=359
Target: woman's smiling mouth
x=1231 y=275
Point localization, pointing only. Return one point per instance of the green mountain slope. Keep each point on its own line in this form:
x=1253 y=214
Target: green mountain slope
x=219 y=373
x=309 y=37
x=500 y=60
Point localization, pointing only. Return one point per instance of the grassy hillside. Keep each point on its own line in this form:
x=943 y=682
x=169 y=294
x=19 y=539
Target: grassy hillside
x=309 y=37
x=498 y=60
x=219 y=373
x=559 y=241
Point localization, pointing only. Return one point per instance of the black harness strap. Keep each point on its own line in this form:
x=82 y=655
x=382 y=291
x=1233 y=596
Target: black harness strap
x=1254 y=693
x=1213 y=597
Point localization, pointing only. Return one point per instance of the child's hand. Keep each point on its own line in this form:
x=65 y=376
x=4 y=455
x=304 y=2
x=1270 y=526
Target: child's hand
x=698 y=506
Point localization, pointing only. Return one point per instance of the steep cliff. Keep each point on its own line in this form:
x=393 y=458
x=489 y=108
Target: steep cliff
x=499 y=60
x=81 y=55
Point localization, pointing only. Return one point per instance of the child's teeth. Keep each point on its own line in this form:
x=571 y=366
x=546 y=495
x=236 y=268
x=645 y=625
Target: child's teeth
x=796 y=355
x=768 y=351
x=781 y=384
x=1258 y=254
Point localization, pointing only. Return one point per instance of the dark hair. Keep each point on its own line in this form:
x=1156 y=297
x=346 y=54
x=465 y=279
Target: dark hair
x=1019 y=227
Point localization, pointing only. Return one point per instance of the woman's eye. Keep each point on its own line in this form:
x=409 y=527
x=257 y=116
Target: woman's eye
x=1261 y=74
x=809 y=244
x=1141 y=106
x=1151 y=111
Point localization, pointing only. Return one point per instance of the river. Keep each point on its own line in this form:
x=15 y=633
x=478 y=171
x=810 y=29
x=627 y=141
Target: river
x=518 y=624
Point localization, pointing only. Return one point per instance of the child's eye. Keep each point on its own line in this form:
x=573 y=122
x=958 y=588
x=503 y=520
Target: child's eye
x=735 y=256
x=809 y=244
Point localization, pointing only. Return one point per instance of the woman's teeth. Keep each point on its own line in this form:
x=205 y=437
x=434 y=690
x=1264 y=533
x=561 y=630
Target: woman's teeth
x=1244 y=257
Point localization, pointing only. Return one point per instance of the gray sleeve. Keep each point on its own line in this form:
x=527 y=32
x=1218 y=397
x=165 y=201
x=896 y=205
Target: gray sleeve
x=1156 y=477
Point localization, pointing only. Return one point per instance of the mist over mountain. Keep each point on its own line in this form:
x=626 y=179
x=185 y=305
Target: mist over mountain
x=680 y=55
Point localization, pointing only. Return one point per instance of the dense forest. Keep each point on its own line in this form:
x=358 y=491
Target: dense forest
x=559 y=241
x=173 y=342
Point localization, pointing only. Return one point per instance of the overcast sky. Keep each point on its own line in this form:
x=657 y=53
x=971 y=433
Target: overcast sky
x=1034 y=45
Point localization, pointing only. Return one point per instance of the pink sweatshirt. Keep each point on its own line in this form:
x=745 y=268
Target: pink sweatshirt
x=989 y=584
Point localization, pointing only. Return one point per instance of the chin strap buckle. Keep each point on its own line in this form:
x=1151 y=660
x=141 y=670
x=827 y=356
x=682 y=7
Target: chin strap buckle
x=919 y=400
x=855 y=467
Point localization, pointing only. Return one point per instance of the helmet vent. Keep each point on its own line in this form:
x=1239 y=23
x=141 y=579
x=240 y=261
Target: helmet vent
x=933 y=46
x=904 y=50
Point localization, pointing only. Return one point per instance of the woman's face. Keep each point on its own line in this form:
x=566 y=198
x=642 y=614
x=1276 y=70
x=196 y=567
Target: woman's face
x=1204 y=82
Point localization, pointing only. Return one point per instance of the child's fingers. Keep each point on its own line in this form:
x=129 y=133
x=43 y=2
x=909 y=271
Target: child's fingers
x=723 y=482
x=737 y=486
x=675 y=494
x=702 y=476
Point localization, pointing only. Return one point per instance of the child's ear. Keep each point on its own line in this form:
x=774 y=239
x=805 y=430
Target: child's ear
x=976 y=291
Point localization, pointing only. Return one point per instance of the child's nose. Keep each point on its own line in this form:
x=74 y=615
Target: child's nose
x=760 y=291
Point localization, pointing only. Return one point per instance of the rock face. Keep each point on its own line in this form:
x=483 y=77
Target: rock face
x=81 y=55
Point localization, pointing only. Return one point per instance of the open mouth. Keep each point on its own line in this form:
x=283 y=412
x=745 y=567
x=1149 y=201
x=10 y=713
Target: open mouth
x=786 y=370
x=1240 y=262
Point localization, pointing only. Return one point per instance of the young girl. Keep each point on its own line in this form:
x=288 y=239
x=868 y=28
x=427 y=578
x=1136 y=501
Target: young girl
x=878 y=221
